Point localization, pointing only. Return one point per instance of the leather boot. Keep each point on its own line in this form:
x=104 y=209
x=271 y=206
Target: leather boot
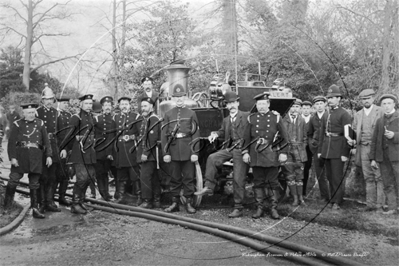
x=157 y=201
x=34 y=204
x=76 y=199
x=41 y=199
x=137 y=185
x=299 y=190
x=121 y=189
x=273 y=195
x=117 y=194
x=259 y=197
x=293 y=191
x=147 y=204
x=175 y=205
x=51 y=206
x=9 y=197
x=189 y=207
x=61 y=191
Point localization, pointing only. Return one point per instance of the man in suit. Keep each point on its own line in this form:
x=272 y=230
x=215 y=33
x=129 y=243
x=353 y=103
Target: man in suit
x=385 y=150
x=27 y=147
x=104 y=131
x=147 y=84
x=319 y=103
x=80 y=143
x=333 y=147
x=262 y=153
x=179 y=128
x=364 y=124
x=306 y=110
x=232 y=131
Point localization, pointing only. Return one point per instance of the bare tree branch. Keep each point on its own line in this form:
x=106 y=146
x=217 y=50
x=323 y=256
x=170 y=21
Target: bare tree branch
x=16 y=12
x=11 y=29
x=54 y=61
x=49 y=35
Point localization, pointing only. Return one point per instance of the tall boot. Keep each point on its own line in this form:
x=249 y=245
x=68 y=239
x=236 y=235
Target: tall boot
x=175 y=205
x=9 y=197
x=294 y=194
x=51 y=206
x=62 y=191
x=189 y=207
x=273 y=195
x=157 y=200
x=121 y=189
x=101 y=187
x=259 y=197
x=106 y=188
x=34 y=204
x=299 y=189
x=76 y=200
x=41 y=198
x=137 y=185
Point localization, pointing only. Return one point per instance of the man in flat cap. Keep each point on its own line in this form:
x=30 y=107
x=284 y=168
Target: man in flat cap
x=128 y=172
x=147 y=84
x=48 y=180
x=334 y=148
x=147 y=155
x=297 y=141
x=259 y=151
x=306 y=110
x=385 y=150
x=104 y=133
x=232 y=131
x=179 y=128
x=27 y=144
x=319 y=103
x=364 y=123
x=80 y=142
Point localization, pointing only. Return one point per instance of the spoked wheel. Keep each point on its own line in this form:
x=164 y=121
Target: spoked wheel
x=199 y=186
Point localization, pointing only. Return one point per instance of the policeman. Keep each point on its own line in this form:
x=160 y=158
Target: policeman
x=26 y=146
x=49 y=115
x=65 y=171
x=319 y=103
x=104 y=130
x=127 y=125
x=80 y=141
x=293 y=168
x=232 y=131
x=333 y=147
x=179 y=128
x=260 y=153
x=147 y=155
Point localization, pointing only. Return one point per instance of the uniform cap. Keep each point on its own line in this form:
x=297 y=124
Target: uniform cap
x=86 y=97
x=147 y=99
x=262 y=96
x=230 y=97
x=146 y=79
x=297 y=102
x=389 y=96
x=178 y=91
x=307 y=103
x=319 y=99
x=124 y=98
x=106 y=99
x=366 y=93
x=63 y=98
x=334 y=91
x=29 y=105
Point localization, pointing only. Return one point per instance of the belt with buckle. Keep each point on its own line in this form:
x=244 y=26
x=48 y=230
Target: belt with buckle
x=262 y=141
x=330 y=134
x=128 y=137
x=51 y=136
x=27 y=144
x=181 y=135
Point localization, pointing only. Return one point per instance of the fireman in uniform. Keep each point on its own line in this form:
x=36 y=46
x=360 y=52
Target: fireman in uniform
x=297 y=142
x=179 y=129
x=147 y=155
x=80 y=141
x=49 y=115
x=260 y=153
x=26 y=146
x=127 y=125
x=104 y=130
x=333 y=146
x=65 y=170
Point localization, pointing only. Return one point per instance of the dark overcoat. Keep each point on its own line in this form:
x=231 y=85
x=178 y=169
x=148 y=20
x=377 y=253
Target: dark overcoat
x=49 y=117
x=150 y=134
x=104 y=134
x=313 y=131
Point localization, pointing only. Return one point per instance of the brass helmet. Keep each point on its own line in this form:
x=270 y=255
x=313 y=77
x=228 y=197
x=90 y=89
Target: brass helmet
x=47 y=93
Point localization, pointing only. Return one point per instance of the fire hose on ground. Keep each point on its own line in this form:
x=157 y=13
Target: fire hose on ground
x=224 y=231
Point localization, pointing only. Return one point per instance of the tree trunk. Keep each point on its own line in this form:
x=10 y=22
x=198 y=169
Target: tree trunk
x=28 y=47
x=122 y=49
x=114 y=53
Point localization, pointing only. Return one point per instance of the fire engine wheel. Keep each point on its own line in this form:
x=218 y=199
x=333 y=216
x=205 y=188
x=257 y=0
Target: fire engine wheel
x=199 y=186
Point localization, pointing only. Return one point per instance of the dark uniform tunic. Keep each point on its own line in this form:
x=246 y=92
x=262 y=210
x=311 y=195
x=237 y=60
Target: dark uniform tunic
x=30 y=159
x=127 y=125
x=150 y=133
x=180 y=127
x=259 y=136
x=63 y=118
x=49 y=117
x=332 y=146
